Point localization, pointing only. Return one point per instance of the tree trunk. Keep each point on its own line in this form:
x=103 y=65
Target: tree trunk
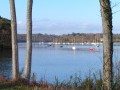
x=106 y=14
x=29 y=40
x=15 y=64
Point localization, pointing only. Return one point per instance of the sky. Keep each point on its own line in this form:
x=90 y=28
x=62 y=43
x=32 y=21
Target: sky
x=61 y=16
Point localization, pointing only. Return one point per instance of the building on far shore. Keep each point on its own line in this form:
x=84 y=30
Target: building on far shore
x=5 y=33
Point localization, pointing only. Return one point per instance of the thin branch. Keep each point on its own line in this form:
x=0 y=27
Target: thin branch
x=115 y=5
x=98 y=15
x=116 y=12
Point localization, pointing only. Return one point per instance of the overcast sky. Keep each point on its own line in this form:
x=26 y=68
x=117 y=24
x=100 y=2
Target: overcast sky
x=61 y=16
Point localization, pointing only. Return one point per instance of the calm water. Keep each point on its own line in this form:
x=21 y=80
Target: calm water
x=50 y=61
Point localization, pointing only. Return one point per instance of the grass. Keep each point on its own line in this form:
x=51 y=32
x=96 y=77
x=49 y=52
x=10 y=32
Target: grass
x=92 y=82
x=73 y=83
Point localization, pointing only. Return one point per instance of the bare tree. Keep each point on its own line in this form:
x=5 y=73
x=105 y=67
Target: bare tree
x=29 y=40
x=15 y=64
x=106 y=14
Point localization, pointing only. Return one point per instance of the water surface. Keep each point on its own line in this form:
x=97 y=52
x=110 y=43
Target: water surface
x=53 y=60
x=50 y=61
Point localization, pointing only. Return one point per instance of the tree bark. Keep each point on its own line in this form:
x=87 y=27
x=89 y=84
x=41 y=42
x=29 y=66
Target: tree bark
x=15 y=63
x=106 y=14
x=29 y=40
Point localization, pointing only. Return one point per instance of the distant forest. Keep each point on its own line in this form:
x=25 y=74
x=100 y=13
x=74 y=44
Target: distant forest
x=68 y=38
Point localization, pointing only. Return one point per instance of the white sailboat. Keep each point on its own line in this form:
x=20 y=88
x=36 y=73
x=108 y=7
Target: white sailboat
x=97 y=43
x=74 y=48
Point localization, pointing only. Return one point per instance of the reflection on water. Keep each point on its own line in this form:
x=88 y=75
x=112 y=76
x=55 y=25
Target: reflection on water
x=5 y=53
x=5 y=62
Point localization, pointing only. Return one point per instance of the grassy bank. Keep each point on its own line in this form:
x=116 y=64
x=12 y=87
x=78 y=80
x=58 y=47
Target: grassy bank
x=75 y=82
x=93 y=81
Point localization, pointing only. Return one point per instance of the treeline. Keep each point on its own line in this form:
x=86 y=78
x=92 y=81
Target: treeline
x=5 y=33
x=37 y=37
x=68 y=38
x=4 y=24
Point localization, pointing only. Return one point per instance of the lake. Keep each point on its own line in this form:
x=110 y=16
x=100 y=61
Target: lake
x=50 y=61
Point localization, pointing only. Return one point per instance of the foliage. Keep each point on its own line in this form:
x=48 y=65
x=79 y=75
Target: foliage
x=5 y=33
x=4 y=23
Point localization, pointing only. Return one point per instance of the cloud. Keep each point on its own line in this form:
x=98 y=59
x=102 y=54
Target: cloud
x=50 y=27
x=21 y=27
x=21 y=24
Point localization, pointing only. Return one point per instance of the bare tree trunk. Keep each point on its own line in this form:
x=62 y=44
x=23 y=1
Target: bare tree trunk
x=29 y=40
x=106 y=13
x=15 y=64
